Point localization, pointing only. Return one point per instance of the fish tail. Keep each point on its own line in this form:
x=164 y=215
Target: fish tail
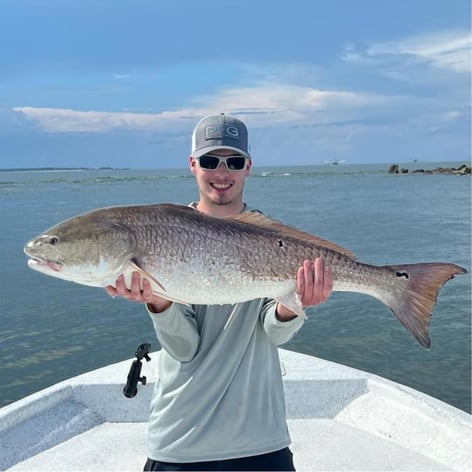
x=415 y=304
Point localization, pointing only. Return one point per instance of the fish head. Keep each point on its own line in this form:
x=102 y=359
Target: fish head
x=88 y=249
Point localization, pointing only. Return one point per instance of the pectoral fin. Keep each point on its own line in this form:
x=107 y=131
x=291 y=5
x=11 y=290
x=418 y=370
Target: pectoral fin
x=292 y=302
x=156 y=286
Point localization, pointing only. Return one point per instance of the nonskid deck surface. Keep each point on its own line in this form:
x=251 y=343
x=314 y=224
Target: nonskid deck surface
x=339 y=419
x=317 y=445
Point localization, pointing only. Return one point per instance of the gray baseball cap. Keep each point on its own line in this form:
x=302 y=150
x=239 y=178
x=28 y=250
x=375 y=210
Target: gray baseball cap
x=220 y=132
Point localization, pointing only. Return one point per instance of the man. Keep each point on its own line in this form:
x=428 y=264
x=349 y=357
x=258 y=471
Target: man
x=218 y=403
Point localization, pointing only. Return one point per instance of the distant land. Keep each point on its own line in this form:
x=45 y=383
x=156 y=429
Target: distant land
x=390 y=168
x=19 y=169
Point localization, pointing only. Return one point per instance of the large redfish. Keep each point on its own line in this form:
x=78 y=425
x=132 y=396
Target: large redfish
x=193 y=258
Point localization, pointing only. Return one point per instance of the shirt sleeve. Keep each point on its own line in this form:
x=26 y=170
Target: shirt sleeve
x=279 y=332
x=176 y=330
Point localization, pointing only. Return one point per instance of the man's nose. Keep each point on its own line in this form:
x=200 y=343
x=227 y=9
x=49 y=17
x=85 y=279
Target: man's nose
x=222 y=168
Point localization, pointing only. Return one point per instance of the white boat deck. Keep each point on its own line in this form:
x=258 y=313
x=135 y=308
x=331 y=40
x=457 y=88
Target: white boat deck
x=339 y=419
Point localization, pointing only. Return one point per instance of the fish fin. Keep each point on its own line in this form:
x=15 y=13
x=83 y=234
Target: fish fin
x=133 y=267
x=262 y=221
x=156 y=286
x=292 y=302
x=423 y=282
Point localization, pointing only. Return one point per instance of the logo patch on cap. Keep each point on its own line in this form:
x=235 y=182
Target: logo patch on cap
x=221 y=132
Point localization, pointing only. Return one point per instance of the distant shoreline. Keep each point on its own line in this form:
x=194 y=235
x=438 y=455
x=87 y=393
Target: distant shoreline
x=26 y=169
x=444 y=168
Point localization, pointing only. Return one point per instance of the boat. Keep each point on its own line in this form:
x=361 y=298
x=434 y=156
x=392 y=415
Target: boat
x=335 y=162
x=339 y=418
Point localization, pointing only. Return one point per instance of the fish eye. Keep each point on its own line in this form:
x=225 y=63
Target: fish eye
x=53 y=240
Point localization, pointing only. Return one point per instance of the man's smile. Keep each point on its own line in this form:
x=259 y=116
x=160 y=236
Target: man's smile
x=221 y=186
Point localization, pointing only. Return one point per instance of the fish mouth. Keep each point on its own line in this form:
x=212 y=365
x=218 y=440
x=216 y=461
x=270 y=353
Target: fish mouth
x=39 y=264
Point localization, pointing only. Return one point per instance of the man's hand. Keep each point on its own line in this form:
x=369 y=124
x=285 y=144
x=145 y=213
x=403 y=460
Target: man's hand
x=314 y=282
x=314 y=286
x=135 y=294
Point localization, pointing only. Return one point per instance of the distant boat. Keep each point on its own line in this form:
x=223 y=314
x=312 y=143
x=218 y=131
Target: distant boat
x=334 y=162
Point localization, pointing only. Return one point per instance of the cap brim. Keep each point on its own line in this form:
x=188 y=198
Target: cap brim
x=208 y=149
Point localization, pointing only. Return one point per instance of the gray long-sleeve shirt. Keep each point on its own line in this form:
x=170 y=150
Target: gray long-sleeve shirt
x=219 y=392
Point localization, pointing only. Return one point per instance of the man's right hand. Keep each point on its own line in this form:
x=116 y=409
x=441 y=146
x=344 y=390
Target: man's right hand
x=136 y=294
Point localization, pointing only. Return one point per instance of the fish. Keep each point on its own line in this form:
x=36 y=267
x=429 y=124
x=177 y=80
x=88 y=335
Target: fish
x=193 y=258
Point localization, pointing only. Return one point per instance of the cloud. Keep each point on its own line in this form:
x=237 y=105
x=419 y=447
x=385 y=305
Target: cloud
x=452 y=115
x=351 y=55
x=62 y=120
x=266 y=104
x=122 y=76
x=445 y=50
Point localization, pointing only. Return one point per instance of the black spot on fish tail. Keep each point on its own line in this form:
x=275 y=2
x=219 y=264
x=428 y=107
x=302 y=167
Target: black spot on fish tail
x=415 y=301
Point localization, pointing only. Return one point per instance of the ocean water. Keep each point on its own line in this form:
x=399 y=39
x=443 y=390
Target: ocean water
x=51 y=329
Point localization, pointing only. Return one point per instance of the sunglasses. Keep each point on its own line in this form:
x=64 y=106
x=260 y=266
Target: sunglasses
x=212 y=162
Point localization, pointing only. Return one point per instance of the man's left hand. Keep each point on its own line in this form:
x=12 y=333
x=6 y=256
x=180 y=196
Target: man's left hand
x=314 y=282
x=314 y=286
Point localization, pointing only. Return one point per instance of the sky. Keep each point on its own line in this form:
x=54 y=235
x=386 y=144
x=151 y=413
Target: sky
x=122 y=83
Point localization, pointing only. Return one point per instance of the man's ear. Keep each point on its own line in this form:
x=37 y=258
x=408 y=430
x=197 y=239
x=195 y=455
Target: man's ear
x=248 y=167
x=193 y=164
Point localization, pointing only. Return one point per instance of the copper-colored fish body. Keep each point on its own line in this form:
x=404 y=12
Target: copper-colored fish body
x=193 y=258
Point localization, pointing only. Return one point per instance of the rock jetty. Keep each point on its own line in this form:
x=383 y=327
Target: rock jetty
x=464 y=169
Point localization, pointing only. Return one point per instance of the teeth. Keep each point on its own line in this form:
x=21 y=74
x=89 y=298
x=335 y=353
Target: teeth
x=221 y=186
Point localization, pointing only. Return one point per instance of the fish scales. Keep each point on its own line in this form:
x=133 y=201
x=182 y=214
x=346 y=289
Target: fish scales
x=227 y=251
x=193 y=258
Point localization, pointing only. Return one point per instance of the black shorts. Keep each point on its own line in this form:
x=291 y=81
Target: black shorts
x=278 y=460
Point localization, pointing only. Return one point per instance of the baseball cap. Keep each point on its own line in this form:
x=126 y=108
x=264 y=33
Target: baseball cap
x=220 y=132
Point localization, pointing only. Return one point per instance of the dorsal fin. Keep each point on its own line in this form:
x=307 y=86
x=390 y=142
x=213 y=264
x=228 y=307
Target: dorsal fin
x=262 y=221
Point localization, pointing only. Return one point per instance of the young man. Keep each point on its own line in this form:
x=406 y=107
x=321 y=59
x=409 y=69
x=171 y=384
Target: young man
x=218 y=403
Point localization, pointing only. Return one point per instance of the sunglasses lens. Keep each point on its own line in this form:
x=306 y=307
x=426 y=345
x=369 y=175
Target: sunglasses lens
x=209 y=162
x=235 y=163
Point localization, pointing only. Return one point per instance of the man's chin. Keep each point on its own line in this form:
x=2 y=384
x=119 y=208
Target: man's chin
x=221 y=202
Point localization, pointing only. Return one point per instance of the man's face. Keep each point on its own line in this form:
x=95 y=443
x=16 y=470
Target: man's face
x=220 y=186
